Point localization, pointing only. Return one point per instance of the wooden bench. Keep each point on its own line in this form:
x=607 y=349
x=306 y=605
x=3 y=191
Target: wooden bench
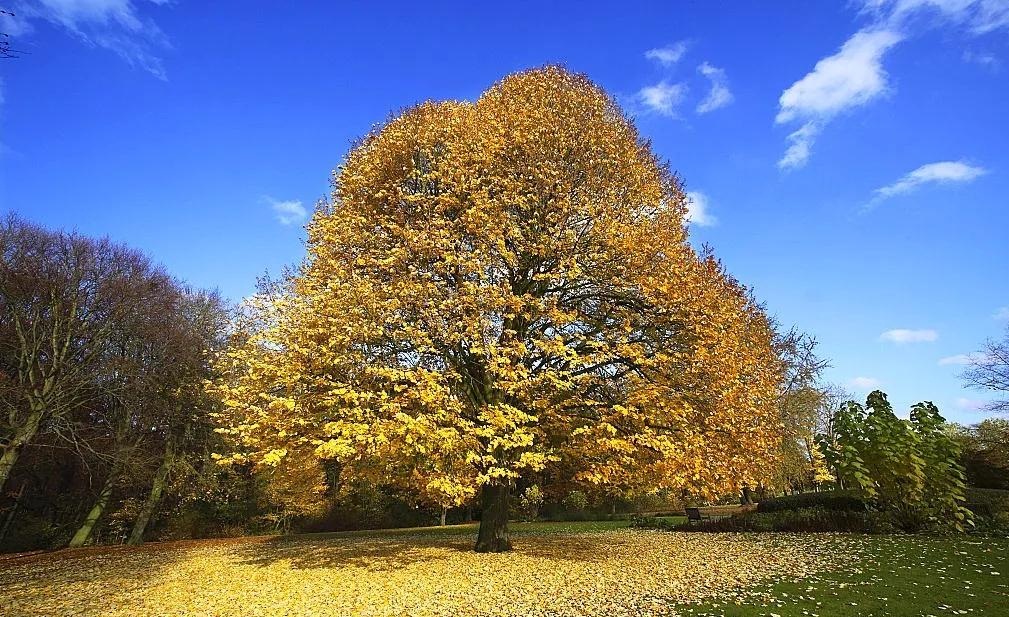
x=694 y=516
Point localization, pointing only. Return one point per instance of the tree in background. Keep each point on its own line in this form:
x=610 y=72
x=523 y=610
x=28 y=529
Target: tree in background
x=985 y=448
x=989 y=370
x=509 y=283
x=63 y=297
x=103 y=364
x=910 y=468
x=802 y=403
x=192 y=325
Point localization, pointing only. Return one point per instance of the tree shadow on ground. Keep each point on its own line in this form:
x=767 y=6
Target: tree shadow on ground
x=382 y=554
x=367 y=553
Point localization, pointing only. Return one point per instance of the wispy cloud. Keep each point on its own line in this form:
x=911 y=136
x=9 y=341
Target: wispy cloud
x=697 y=210
x=1001 y=313
x=903 y=335
x=719 y=96
x=290 y=212
x=988 y=61
x=864 y=384
x=976 y=16
x=668 y=55
x=800 y=146
x=961 y=359
x=854 y=76
x=662 y=98
x=116 y=25
x=943 y=172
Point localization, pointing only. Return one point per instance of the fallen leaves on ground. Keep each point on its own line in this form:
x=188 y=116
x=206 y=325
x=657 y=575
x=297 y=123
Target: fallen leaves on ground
x=615 y=573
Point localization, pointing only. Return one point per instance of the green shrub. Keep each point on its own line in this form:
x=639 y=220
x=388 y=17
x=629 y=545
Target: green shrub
x=908 y=468
x=652 y=522
x=527 y=506
x=840 y=501
x=800 y=520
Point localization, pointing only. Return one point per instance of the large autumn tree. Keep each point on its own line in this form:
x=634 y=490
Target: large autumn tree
x=502 y=286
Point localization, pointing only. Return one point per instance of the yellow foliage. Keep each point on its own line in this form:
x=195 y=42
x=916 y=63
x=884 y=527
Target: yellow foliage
x=503 y=286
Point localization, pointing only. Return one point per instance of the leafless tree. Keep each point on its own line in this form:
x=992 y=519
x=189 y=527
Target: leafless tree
x=62 y=299
x=989 y=370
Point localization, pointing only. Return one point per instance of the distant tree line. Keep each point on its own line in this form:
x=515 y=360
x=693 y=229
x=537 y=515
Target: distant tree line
x=103 y=357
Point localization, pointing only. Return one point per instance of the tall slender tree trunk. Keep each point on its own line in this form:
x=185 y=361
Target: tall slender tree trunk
x=154 y=497
x=493 y=534
x=22 y=436
x=444 y=515
x=83 y=534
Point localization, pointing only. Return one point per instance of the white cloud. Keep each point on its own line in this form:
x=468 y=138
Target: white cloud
x=697 y=210
x=719 y=95
x=903 y=335
x=855 y=76
x=970 y=404
x=663 y=97
x=864 y=383
x=961 y=359
x=668 y=55
x=116 y=25
x=288 y=212
x=943 y=172
x=800 y=146
x=851 y=77
x=1002 y=313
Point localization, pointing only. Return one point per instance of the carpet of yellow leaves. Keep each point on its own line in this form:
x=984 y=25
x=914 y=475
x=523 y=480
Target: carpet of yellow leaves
x=615 y=573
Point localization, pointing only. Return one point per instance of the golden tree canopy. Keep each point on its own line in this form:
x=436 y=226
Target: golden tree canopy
x=502 y=286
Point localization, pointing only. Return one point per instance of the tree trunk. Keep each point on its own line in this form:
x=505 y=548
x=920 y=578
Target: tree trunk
x=444 y=514
x=7 y=460
x=84 y=533
x=158 y=487
x=493 y=534
x=22 y=436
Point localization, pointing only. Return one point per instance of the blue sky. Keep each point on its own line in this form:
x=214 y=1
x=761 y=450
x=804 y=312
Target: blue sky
x=847 y=159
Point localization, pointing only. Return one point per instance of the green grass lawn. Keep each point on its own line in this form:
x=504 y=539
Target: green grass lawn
x=902 y=575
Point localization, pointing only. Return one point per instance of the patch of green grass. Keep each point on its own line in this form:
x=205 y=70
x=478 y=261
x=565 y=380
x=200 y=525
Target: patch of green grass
x=898 y=575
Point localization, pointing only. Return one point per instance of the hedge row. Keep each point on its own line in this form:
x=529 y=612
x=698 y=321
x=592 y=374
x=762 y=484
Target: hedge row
x=835 y=501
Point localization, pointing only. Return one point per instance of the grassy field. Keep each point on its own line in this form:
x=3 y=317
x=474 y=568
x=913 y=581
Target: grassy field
x=556 y=569
x=898 y=575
